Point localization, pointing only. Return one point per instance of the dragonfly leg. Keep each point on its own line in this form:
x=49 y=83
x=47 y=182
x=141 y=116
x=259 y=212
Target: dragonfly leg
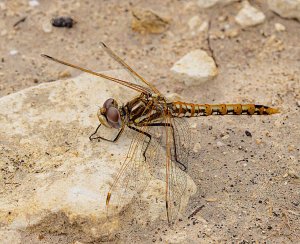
x=174 y=142
x=144 y=133
x=105 y=139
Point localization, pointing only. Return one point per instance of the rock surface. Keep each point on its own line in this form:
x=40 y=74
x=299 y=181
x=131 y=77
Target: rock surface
x=210 y=3
x=252 y=69
x=195 y=67
x=286 y=8
x=249 y=16
x=147 y=21
x=52 y=176
x=196 y=25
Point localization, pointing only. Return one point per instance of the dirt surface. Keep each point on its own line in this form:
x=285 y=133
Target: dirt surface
x=248 y=182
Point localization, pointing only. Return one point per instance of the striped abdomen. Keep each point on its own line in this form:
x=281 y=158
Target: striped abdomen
x=182 y=109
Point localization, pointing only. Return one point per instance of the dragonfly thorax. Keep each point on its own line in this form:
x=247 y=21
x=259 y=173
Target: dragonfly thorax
x=109 y=114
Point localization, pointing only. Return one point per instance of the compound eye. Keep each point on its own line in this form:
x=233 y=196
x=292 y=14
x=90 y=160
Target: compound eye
x=110 y=103
x=113 y=117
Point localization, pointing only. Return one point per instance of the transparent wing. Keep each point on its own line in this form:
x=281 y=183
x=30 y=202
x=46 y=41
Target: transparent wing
x=168 y=154
x=125 y=66
x=164 y=157
x=133 y=176
x=119 y=81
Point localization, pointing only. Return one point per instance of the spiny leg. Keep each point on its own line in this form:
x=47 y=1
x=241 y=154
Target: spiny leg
x=144 y=133
x=105 y=139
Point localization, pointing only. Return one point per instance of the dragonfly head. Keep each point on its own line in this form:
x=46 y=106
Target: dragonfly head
x=109 y=114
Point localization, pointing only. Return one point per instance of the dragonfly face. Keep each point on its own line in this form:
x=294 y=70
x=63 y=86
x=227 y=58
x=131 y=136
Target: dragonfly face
x=109 y=114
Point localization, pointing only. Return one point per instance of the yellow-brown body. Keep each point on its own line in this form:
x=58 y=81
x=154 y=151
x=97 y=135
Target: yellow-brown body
x=183 y=109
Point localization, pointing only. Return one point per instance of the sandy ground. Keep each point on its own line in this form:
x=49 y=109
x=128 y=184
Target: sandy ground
x=248 y=186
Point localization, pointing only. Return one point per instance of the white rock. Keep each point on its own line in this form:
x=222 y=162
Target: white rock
x=197 y=147
x=203 y=26
x=55 y=171
x=2 y=6
x=33 y=3
x=220 y=144
x=194 y=125
x=286 y=8
x=210 y=3
x=249 y=16
x=231 y=33
x=195 y=67
x=3 y=32
x=47 y=27
x=196 y=25
x=13 y=52
x=279 y=27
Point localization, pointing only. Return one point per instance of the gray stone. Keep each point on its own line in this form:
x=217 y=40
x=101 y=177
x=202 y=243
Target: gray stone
x=249 y=16
x=50 y=168
x=286 y=8
x=195 y=67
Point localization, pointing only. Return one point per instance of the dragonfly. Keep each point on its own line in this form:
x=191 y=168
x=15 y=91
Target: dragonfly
x=161 y=143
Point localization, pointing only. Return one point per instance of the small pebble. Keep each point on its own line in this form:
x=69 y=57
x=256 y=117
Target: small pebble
x=249 y=16
x=258 y=141
x=47 y=27
x=194 y=22
x=3 y=32
x=220 y=144
x=2 y=6
x=211 y=199
x=197 y=147
x=222 y=18
x=279 y=27
x=231 y=33
x=64 y=74
x=196 y=25
x=193 y=126
x=13 y=52
x=291 y=148
x=285 y=175
x=203 y=26
x=292 y=173
x=225 y=137
x=33 y=3
x=248 y=133
x=67 y=22
x=195 y=67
